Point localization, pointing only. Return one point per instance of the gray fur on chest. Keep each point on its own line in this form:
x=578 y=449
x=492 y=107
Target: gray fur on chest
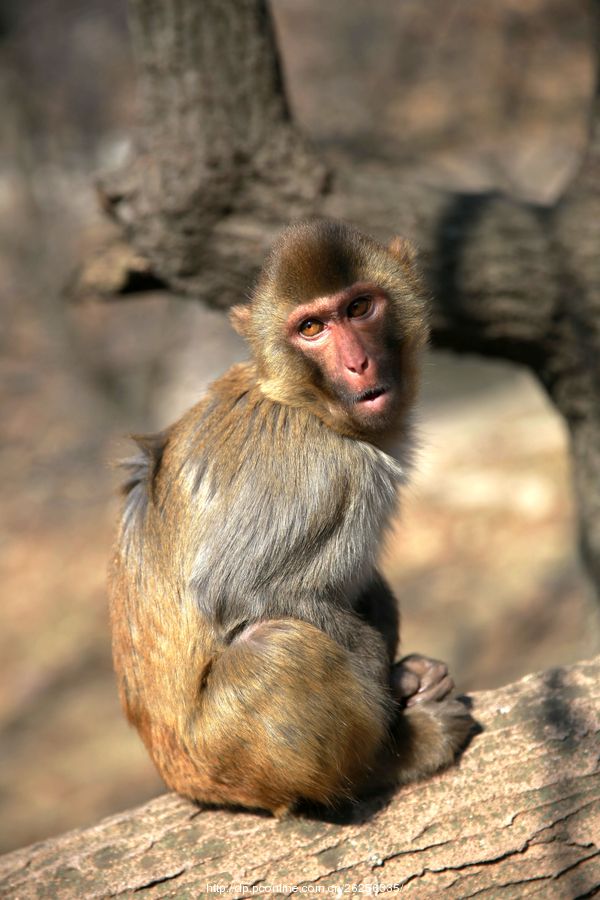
x=287 y=533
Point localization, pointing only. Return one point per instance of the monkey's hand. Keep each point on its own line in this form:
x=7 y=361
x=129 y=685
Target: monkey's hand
x=416 y=679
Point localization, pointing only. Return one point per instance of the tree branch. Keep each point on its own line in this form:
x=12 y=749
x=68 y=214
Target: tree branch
x=220 y=168
x=518 y=817
x=215 y=135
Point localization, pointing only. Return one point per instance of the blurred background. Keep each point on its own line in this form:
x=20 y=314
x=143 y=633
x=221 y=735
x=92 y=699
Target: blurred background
x=483 y=558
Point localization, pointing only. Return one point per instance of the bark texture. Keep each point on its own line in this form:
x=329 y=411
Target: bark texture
x=220 y=168
x=215 y=137
x=518 y=817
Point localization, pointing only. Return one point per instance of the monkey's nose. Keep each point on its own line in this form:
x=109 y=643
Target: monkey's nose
x=358 y=365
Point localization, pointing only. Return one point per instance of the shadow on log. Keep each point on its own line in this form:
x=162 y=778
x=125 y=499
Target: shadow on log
x=518 y=817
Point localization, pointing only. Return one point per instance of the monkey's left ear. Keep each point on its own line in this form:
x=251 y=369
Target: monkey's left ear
x=239 y=316
x=403 y=250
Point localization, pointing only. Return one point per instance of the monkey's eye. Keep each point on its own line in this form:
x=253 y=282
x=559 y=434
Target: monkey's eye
x=311 y=328
x=359 y=307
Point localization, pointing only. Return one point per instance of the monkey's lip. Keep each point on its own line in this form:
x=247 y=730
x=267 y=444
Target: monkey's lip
x=374 y=400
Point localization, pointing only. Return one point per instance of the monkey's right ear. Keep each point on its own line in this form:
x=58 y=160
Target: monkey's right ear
x=239 y=316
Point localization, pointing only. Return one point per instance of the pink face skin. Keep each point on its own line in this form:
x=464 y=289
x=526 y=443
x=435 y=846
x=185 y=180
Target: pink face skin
x=345 y=335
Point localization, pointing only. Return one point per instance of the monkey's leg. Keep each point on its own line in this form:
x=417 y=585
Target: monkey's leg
x=428 y=736
x=423 y=740
x=280 y=714
x=433 y=727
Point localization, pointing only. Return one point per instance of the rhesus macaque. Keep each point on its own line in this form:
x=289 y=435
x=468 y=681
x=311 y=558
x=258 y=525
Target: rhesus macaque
x=254 y=639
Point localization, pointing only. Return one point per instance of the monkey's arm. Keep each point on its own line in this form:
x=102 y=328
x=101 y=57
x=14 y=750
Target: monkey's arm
x=378 y=606
x=414 y=678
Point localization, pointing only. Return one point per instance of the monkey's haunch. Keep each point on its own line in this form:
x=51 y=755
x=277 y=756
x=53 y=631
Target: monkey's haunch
x=317 y=748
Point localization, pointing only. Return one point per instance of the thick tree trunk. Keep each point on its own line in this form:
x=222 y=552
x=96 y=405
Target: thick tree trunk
x=518 y=817
x=220 y=168
x=215 y=137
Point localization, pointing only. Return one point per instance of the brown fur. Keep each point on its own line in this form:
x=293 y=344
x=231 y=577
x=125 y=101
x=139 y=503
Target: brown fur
x=252 y=634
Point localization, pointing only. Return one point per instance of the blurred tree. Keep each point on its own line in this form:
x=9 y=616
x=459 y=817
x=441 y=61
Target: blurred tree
x=220 y=167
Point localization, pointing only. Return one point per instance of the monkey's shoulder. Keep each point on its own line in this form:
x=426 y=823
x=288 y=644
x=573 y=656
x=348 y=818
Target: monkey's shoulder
x=157 y=455
x=238 y=446
x=236 y=431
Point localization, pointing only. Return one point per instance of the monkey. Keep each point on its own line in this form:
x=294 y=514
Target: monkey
x=254 y=639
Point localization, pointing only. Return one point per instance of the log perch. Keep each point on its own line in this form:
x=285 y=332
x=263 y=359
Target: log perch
x=519 y=816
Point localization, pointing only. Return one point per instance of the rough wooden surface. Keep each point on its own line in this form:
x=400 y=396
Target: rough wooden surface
x=519 y=817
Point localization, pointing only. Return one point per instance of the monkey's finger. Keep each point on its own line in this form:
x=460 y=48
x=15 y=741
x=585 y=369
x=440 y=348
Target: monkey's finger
x=426 y=668
x=436 y=673
x=404 y=682
x=436 y=691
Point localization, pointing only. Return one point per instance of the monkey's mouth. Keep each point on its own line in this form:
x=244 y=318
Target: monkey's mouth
x=373 y=400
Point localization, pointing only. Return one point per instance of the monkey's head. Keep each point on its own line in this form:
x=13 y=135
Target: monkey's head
x=336 y=324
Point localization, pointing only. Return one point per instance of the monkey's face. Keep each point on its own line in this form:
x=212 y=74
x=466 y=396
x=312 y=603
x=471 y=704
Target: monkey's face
x=347 y=339
x=336 y=325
